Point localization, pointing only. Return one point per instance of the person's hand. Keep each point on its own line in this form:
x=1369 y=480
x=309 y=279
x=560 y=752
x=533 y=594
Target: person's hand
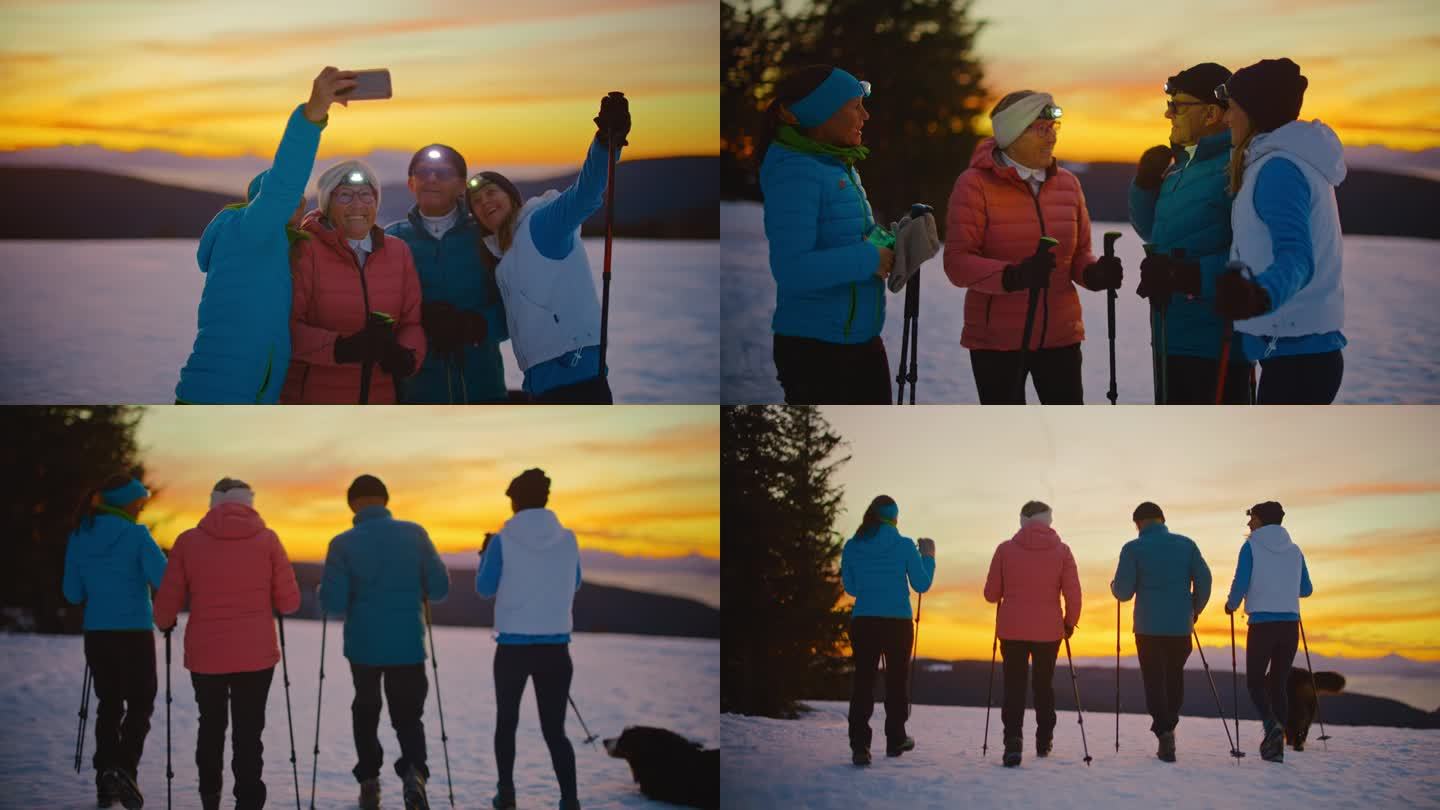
x=1238 y=297
x=1105 y=274
x=330 y=83
x=473 y=327
x=1151 y=169
x=1031 y=274
x=927 y=547
x=614 y=117
x=1229 y=610
x=1069 y=630
x=1155 y=281
x=443 y=329
x=396 y=360
x=485 y=546
x=887 y=263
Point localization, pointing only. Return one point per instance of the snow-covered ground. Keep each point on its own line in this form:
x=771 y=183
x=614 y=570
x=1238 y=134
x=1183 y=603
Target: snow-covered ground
x=1392 y=320
x=619 y=681
x=114 y=321
x=806 y=764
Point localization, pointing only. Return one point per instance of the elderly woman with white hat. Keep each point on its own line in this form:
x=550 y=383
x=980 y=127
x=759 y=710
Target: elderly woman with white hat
x=355 y=313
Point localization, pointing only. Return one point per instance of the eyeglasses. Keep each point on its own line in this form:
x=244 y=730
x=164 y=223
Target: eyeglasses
x=436 y=173
x=1174 y=106
x=346 y=196
x=1044 y=125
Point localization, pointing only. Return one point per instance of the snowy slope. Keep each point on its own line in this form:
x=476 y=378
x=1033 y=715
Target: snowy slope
x=1391 y=320
x=806 y=763
x=619 y=681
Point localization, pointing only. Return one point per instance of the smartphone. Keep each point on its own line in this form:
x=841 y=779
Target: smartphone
x=369 y=85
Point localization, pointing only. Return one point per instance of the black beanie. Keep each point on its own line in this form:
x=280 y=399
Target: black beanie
x=1270 y=91
x=1148 y=510
x=447 y=154
x=367 y=486
x=1268 y=513
x=1199 y=81
x=530 y=489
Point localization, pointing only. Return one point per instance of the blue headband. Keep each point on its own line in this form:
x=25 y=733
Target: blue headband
x=132 y=491
x=838 y=88
x=889 y=511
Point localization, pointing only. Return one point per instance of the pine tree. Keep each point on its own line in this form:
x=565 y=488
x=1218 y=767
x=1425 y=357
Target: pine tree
x=783 y=629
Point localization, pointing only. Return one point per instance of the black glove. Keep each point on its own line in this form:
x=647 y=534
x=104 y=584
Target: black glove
x=1069 y=630
x=1151 y=169
x=473 y=327
x=1238 y=297
x=927 y=547
x=1105 y=274
x=443 y=330
x=364 y=346
x=1162 y=275
x=486 y=545
x=1229 y=610
x=396 y=360
x=614 y=117
x=1031 y=274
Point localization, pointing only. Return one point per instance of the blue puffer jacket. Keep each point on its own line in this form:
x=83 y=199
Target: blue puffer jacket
x=1168 y=577
x=879 y=571
x=111 y=563
x=451 y=270
x=376 y=574
x=242 y=346
x=1192 y=211
x=816 y=217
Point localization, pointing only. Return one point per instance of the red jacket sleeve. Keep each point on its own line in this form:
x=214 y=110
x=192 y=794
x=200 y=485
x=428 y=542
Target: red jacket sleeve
x=308 y=343
x=284 y=591
x=1084 y=250
x=410 y=333
x=966 y=219
x=1070 y=587
x=174 y=588
x=995 y=580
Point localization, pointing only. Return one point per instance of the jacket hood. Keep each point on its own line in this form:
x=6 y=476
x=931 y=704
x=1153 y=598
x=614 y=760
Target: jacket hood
x=232 y=521
x=207 y=242
x=1271 y=538
x=1036 y=536
x=536 y=528
x=103 y=534
x=1312 y=142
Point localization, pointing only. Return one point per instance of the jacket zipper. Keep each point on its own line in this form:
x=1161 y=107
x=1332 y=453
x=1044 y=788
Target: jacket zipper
x=364 y=294
x=854 y=288
x=1045 y=323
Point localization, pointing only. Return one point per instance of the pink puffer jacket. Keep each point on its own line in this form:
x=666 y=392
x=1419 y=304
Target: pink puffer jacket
x=1028 y=574
x=236 y=576
x=330 y=293
x=993 y=221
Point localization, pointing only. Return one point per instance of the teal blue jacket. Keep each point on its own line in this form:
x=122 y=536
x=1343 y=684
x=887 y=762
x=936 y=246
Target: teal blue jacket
x=879 y=571
x=1168 y=578
x=1191 y=210
x=378 y=574
x=111 y=563
x=452 y=269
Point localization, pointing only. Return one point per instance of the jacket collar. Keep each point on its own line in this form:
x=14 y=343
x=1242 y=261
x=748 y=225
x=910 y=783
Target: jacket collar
x=370 y=513
x=986 y=157
x=465 y=222
x=318 y=226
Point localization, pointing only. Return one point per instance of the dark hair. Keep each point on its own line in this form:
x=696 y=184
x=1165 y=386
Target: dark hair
x=530 y=489
x=367 y=486
x=1147 y=511
x=794 y=86
x=447 y=154
x=872 y=519
x=1032 y=508
x=227 y=483
x=86 y=510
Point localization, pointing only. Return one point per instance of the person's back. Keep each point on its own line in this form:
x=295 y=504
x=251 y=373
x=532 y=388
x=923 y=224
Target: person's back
x=1159 y=569
x=879 y=569
x=111 y=562
x=1028 y=574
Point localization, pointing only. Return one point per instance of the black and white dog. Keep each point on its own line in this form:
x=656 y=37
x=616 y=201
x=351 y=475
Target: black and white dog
x=1304 y=704
x=669 y=767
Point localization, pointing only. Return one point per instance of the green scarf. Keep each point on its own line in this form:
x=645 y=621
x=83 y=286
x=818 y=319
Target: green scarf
x=110 y=510
x=848 y=155
x=292 y=234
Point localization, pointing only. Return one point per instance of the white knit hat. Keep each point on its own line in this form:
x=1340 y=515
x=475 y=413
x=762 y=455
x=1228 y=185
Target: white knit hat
x=1010 y=122
x=348 y=173
x=232 y=490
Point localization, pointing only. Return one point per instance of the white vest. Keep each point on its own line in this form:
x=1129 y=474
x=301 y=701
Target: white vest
x=1274 y=575
x=550 y=306
x=1319 y=306
x=537 y=577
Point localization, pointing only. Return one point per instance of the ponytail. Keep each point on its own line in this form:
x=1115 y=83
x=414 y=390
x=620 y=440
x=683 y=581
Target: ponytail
x=89 y=504
x=873 y=517
x=790 y=89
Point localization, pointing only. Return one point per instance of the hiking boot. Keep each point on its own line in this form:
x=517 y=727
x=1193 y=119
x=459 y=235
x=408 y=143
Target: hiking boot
x=370 y=794
x=415 y=798
x=860 y=756
x=1043 y=746
x=104 y=796
x=121 y=785
x=1272 y=748
x=569 y=804
x=1013 y=746
x=907 y=744
x=504 y=799
x=1166 y=752
x=210 y=801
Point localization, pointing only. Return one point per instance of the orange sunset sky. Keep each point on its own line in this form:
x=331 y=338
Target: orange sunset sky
x=516 y=82
x=1360 y=486
x=638 y=480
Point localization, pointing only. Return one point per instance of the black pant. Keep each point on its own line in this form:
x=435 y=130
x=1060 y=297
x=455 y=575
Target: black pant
x=1305 y=379
x=1162 y=667
x=550 y=666
x=1191 y=380
x=242 y=694
x=1270 y=645
x=405 y=691
x=1017 y=656
x=1056 y=373
x=871 y=638
x=123 y=665
x=814 y=372
x=594 y=391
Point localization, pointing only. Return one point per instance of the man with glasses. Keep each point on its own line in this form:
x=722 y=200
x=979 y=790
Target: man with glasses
x=1178 y=205
x=463 y=314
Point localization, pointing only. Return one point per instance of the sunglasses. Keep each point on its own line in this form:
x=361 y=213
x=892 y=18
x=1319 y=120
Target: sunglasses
x=442 y=173
x=1174 y=106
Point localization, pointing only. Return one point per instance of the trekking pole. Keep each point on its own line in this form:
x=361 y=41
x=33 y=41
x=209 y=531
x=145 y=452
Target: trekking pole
x=1046 y=243
x=1117 y=668
x=909 y=341
x=1226 y=337
x=589 y=738
x=439 y=704
x=169 y=770
x=1234 y=747
x=1079 y=713
x=1154 y=338
x=289 y=718
x=319 y=703
x=609 y=227
x=990 y=691
x=915 y=650
x=1113 y=394
x=1235 y=678
x=1313 y=688
x=84 y=715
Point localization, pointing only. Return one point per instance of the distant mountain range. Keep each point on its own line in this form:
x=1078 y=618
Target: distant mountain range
x=661 y=198
x=598 y=608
